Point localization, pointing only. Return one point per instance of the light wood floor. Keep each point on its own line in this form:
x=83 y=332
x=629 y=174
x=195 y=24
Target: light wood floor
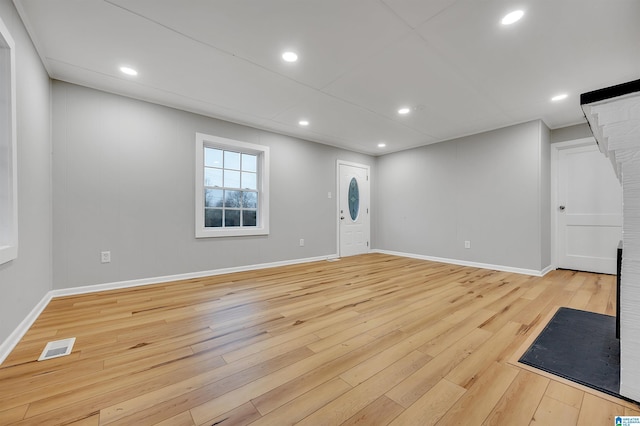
x=369 y=340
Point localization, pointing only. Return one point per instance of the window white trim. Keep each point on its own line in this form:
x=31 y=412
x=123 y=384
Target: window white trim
x=8 y=150
x=262 y=227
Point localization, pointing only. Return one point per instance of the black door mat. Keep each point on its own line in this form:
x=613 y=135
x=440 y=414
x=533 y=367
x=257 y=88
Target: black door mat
x=579 y=346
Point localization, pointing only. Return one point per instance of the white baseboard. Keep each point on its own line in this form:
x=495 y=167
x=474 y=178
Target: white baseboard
x=459 y=262
x=548 y=269
x=14 y=338
x=179 y=277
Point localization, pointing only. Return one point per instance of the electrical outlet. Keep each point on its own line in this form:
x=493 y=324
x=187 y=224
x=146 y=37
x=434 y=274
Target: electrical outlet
x=301 y=242
x=105 y=257
x=467 y=244
x=329 y=194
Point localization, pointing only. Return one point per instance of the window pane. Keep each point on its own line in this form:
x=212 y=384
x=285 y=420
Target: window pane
x=250 y=200
x=354 y=199
x=232 y=160
x=212 y=177
x=213 y=157
x=231 y=179
x=213 y=218
x=249 y=180
x=231 y=218
x=249 y=163
x=232 y=198
x=213 y=197
x=249 y=218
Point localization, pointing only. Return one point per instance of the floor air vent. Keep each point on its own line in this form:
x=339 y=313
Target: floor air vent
x=57 y=349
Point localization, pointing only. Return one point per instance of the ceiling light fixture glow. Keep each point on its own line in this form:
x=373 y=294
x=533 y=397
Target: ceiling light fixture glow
x=382 y=145
x=290 y=56
x=559 y=97
x=404 y=110
x=128 y=71
x=512 y=17
x=303 y=122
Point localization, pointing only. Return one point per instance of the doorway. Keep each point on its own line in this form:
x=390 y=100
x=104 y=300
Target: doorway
x=587 y=208
x=353 y=209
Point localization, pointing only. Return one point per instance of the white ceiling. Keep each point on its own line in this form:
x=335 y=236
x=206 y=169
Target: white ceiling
x=451 y=61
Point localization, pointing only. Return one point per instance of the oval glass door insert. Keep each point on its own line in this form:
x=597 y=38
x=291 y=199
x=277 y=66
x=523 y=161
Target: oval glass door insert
x=354 y=199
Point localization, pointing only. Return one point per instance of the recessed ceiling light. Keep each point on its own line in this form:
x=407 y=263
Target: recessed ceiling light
x=303 y=122
x=128 y=71
x=290 y=56
x=559 y=97
x=404 y=110
x=382 y=145
x=512 y=17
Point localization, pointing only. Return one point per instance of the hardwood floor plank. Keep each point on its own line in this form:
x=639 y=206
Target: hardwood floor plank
x=477 y=403
x=379 y=412
x=94 y=420
x=385 y=357
x=117 y=382
x=348 y=404
x=14 y=414
x=631 y=412
x=370 y=339
x=236 y=397
x=136 y=409
x=565 y=394
x=435 y=346
x=413 y=387
x=580 y=299
x=598 y=411
x=551 y=411
x=430 y=407
x=182 y=419
x=33 y=375
x=286 y=392
x=472 y=367
x=602 y=288
x=520 y=402
x=243 y=415
x=305 y=404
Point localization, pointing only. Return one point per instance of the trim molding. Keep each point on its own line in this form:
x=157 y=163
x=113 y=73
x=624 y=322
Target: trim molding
x=459 y=262
x=14 y=338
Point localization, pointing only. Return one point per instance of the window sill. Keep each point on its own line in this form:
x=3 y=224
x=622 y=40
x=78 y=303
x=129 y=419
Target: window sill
x=226 y=232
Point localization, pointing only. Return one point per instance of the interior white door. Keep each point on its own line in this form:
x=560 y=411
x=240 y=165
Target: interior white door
x=589 y=210
x=353 y=209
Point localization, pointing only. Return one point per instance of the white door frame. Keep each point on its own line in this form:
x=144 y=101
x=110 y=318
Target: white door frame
x=555 y=163
x=338 y=195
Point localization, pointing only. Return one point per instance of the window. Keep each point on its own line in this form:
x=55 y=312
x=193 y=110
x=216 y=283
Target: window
x=232 y=187
x=8 y=181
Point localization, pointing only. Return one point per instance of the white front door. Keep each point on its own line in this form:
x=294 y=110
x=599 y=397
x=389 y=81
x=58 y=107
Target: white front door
x=589 y=210
x=353 y=209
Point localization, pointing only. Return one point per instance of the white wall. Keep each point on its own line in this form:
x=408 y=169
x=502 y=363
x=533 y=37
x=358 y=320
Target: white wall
x=491 y=189
x=123 y=180
x=25 y=280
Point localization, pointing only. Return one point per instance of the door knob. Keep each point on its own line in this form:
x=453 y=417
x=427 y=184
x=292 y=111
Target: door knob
x=562 y=207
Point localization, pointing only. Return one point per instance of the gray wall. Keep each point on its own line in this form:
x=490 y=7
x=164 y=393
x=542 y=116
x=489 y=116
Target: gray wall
x=123 y=180
x=545 y=196
x=25 y=280
x=488 y=188
x=570 y=133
